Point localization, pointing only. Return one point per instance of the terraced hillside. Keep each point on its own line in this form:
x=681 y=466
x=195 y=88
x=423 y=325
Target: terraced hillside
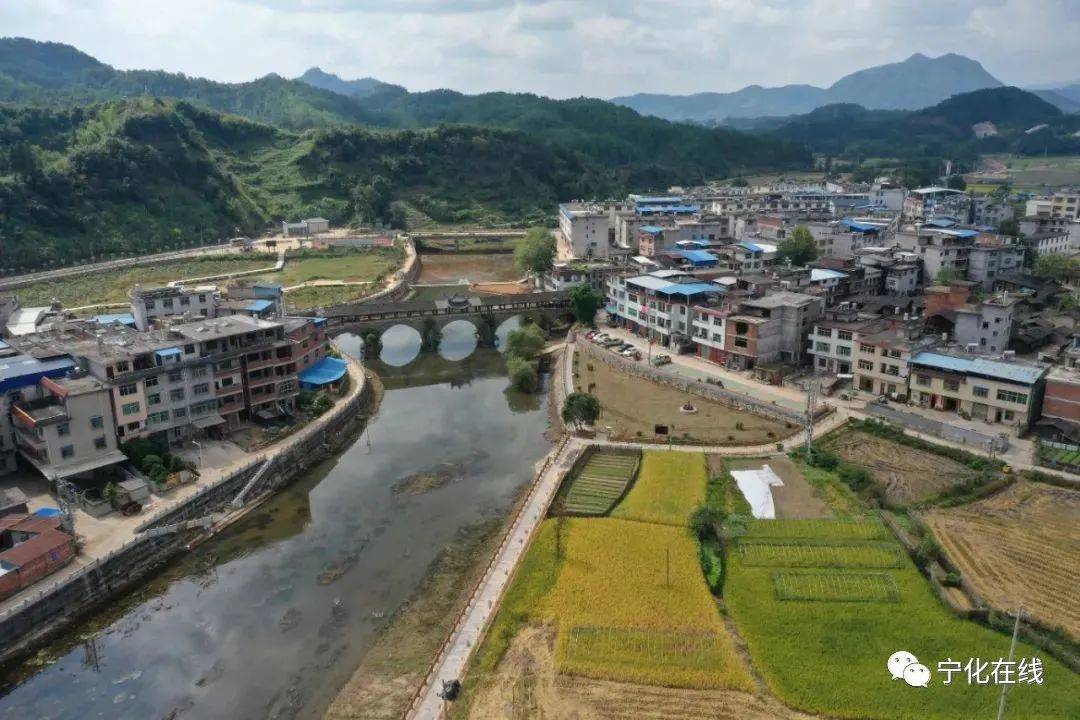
x=599 y=484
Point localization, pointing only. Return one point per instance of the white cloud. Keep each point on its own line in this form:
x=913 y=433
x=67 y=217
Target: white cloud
x=559 y=47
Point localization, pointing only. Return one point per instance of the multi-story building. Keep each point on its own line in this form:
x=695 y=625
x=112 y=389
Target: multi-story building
x=881 y=359
x=940 y=249
x=1065 y=205
x=834 y=339
x=770 y=329
x=66 y=429
x=1061 y=402
x=1054 y=242
x=583 y=230
x=990 y=210
x=996 y=391
x=150 y=304
x=658 y=305
x=986 y=262
x=20 y=376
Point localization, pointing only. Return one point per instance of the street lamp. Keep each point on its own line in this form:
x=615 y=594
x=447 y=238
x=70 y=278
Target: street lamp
x=198 y=444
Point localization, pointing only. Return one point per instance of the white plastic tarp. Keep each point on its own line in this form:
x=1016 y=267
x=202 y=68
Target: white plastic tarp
x=756 y=487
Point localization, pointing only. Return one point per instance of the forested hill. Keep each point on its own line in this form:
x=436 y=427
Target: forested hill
x=135 y=176
x=650 y=152
x=940 y=131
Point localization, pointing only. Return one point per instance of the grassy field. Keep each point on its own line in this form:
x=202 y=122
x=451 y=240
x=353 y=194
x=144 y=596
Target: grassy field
x=669 y=486
x=346 y=264
x=112 y=286
x=600 y=483
x=1035 y=172
x=821 y=637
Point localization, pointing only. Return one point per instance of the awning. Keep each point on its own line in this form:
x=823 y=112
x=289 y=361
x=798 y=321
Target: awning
x=208 y=421
x=326 y=371
x=52 y=472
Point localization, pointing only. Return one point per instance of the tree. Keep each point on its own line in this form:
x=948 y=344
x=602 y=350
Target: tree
x=524 y=375
x=580 y=409
x=798 y=249
x=956 y=182
x=1009 y=227
x=947 y=276
x=535 y=252
x=526 y=342
x=585 y=301
x=1056 y=267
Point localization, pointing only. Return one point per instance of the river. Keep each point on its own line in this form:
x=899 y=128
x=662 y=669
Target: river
x=269 y=619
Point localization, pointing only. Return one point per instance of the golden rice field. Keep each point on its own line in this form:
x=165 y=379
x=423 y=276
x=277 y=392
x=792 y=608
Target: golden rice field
x=632 y=605
x=670 y=485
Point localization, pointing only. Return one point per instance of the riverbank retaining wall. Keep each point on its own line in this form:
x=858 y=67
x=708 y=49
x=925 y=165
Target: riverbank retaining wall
x=40 y=617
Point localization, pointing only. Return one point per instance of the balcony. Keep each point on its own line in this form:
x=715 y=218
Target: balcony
x=38 y=412
x=231 y=407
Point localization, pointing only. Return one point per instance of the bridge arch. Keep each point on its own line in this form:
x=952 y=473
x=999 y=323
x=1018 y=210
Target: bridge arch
x=458 y=339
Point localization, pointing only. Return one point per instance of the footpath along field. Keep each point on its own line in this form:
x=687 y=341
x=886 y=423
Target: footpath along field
x=822 y=604
x=624 y=594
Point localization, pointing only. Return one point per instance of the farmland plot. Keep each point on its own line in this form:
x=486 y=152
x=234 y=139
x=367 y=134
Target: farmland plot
x=907 y=474
x=818 y=553
x=821 y=637
x=600 y=483
x=1021 y=545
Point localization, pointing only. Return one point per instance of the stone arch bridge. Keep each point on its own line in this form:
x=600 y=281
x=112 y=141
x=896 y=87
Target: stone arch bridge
x=420 y=314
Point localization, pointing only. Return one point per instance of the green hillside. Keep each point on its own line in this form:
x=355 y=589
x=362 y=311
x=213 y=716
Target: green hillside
x=128 y=177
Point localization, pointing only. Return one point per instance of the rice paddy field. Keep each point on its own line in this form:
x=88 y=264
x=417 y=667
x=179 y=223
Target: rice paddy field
x=625 y=593
x=670 y=485
x=594 y=488
x=820 y=631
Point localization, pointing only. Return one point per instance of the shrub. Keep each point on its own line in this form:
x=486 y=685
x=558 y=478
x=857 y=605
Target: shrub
x=952 y=579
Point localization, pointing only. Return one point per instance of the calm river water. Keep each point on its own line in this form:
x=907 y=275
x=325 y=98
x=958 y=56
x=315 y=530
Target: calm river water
x=269 y=619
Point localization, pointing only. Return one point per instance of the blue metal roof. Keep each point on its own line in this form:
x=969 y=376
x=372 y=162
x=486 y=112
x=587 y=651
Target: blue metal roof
x=168 y=352
x=650 y=209
x=941 y=222
x=962 y=233
x=651 y=229
x=690 y=289
x=19 y=371
x=122 y=318
x=258 y=305
x=1010 y=372
x=692 y=243
x=699 y=257
x=818 y=274
x=860 y=227
x=326 y=371
x=751 y=247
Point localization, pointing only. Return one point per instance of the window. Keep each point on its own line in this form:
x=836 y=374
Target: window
x=740 y=342
x=157 y=418
x=198 y=372
x=843 y=351
x=63 y=429
x=202 y=388
x=122 y=366
x=152 y=381
x=179 y=413
x=129 y=389
x=176 y=376
x=825 y=332
x=176 y=394
x=188 y=349
x=866 y=365
x=167 y=303
x=864 y=348
x=100 y=444
x=894 y=353
x=1012 y=397
x=97 y=422
x=922 y=380
x=154 y=399
x=133 y=426
x=952 y=385
x=67 y=451
x=130 y=408
x=822 y=347
x=844 y=334
x=979 y=391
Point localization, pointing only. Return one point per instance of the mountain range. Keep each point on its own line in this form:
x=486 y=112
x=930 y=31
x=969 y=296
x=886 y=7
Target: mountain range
x=917 y=82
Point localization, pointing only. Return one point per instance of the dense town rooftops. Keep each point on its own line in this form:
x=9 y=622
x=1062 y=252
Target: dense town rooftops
x=781 y=299
x=222 y=327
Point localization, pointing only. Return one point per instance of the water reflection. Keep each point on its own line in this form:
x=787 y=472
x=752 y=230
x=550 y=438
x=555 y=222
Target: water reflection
x=269 y=619
x=400 y=345
x=458 y=340
x=507 y=326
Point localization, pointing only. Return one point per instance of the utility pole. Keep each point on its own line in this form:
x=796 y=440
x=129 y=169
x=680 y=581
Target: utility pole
x=1012 y=654
x=811 y=399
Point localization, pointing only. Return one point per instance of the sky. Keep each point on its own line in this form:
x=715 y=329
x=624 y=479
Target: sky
x=560 y=48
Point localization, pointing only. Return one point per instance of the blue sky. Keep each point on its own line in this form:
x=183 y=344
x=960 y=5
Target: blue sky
x=560 y=48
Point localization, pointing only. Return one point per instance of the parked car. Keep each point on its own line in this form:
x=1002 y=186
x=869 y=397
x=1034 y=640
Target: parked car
x=661 y=360
x=627 y=352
